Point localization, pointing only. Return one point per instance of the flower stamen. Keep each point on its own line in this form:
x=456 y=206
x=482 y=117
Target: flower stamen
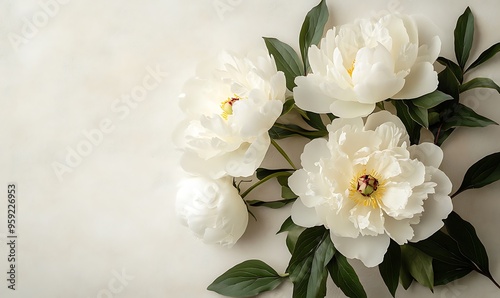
x=350 y=70
x=227 y=106
x=366 y=189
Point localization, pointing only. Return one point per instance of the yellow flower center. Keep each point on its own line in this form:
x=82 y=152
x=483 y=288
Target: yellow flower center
x=366 y=189
x=227 y=106
x=350 y=70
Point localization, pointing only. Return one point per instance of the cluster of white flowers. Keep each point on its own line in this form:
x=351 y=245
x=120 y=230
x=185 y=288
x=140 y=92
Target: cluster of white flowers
x=229 y=110
x=365 y=183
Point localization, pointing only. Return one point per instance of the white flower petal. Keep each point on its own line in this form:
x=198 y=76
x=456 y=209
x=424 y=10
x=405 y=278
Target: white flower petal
x=304 y=216
x=422 y=80
x=373 y=76
x=399 y=230
x=437 y=207
x=351 y=109
x=376 y=119
x=428 y=153
x=212 y=209
x=396 y=197
x=308 y=95
x=369 y=249
x=313 y=152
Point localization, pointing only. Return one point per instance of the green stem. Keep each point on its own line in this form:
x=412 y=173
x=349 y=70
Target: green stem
x=277 y=174
x=280 y=150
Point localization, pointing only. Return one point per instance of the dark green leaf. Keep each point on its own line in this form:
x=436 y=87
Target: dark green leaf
x=479 y=83
x=314 y=120
x=465 y=116
x=312 y=30
x=418 y=114
x=404 y=114
x=419 y=265
x=281 y=131
x=468 y=242
x=286 y=60
x=262 y=173
x=481 y=173
x=345 y=277
x=442 y=135
x=389 y=268
x=453 y=67
x=448 y=83
x=287 y=193
x=405 y=276
x=288 y=106
x=287 y=225
x=331 y=116
x=445 y=273
x=294 y=232
x=442 y=247
x=246 y=279
x=485 y=56
x=431 y=100
x=270 y=204
x=464 y=35
x=307 y=267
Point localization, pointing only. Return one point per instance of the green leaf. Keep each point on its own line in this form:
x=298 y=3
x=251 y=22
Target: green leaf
x=287 y=225
x=270 y=204
x=453 y=67
x=404 y=114
x=442 y=247
x=419 y=265
x=345 y=277
x=445 y=273
x=464 y=35
x=307 y=267
x=246 y=279
x=418 y=114
x=431 y=100
x=315 y=121
x=281 y=131
x=287 y=193
x=485 y=56
x=465 y=116
x=389 y=268
x=312 y=30
x=448 y=83
x=479 y=83
x=442 y=135
x=468 y=241
x=262 y=173
x=288 y=106
x=294 y=232
x=286 y=60
x=405 y=276
x=481 y=173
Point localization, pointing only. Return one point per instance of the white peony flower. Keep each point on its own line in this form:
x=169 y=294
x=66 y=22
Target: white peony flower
x=229 y=112
x=367 y=186
x=212 y=209
x=360 y=64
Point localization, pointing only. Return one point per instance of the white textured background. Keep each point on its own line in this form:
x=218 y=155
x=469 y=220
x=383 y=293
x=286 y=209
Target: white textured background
x=112 y=212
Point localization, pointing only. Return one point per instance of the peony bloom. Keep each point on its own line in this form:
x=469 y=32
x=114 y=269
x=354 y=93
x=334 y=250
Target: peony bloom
x=367 y=186
x=212 y=209
x=360 y=64
x=229 y=112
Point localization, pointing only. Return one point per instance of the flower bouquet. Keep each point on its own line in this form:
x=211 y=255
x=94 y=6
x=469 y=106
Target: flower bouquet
x=367 y=96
